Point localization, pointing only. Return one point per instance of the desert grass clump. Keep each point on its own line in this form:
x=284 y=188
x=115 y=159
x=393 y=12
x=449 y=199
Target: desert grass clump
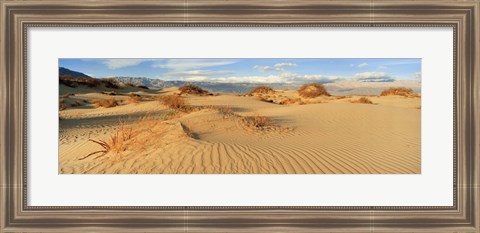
x=262 y=90
x=110 y=83
x=313 y=90
x=106 y=103
x=192 y=89
x=399 y=91
x=75 y=82
x=289 y=101
x=256 y=121
x=362 y=100
x=135 y=98
x=174 y=102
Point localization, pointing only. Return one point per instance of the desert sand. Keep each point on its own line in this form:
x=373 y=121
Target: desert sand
x=322 y=135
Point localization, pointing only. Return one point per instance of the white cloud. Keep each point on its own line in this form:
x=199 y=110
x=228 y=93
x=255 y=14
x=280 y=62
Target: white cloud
x=277 y=67
x=285 y=65
x=118 y=63
x=267 y=68
x=362 y=65
x=187 y=64
x=280 y=78
x=373 y=77
x=198 y=73
x=382 y=67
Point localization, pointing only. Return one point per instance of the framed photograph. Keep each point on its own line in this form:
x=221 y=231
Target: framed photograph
x=239 y=116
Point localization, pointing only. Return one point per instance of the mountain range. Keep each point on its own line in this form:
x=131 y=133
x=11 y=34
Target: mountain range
x=342 y=87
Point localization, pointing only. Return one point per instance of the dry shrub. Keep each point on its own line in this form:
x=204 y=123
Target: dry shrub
x=106 y=103
x=135 y=98
x=110 y=83
x=173 y=102
x=362 y=100
x=400 y=91
x=126 y=137
x=291 y=101
x=264 y=99
x=256 y=121
x=75 y=82
x=313 y=90
x=192 y=89
x=262 y=90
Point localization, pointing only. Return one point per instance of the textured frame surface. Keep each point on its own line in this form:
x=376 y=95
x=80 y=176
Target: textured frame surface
x=17 y=16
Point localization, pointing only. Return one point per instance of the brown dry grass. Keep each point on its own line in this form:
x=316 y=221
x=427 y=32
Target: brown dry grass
x=135 y=99
x=124 y=138
x=313 y=90
x=89 y=82
x=399 y=91
x=292 y=101
x=262 y=90
x=256 y=121
x=106 y=103
x=192 y=89
x=362 y=100
x=174 y=102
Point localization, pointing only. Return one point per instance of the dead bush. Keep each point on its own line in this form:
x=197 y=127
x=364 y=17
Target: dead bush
x=362 y=100
x=313 y=90
x=106 y=103
x=173 y=102
x=262 y=90
x=399 y=91
x=192 y=89
x=256 y=121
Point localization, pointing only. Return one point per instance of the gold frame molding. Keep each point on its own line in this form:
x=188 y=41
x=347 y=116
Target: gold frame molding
x=17 y=16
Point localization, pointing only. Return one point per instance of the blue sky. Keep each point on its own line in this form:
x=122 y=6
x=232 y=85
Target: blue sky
x=253 y=70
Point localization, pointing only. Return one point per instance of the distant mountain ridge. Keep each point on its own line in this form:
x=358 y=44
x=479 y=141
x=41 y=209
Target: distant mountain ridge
x=342 y=87
x=211 y=86
x=62 y=71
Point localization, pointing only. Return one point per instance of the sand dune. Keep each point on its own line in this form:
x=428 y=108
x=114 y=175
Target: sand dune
x=324 y=135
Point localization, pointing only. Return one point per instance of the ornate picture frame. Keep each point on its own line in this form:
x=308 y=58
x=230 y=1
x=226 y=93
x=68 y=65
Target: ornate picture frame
x=17 y=16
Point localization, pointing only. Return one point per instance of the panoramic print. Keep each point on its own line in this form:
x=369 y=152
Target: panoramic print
x=240 y=116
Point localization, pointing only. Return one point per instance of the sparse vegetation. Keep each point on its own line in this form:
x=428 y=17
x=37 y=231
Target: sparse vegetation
x=362 y=100
x=89 y=82
x=106 y=103
x=192 y=89
x=399 y=91
x=173 y=102
x=313 y=90
x=135 y=98
x=291 y=101
x=256 y=121
x=261 y=90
